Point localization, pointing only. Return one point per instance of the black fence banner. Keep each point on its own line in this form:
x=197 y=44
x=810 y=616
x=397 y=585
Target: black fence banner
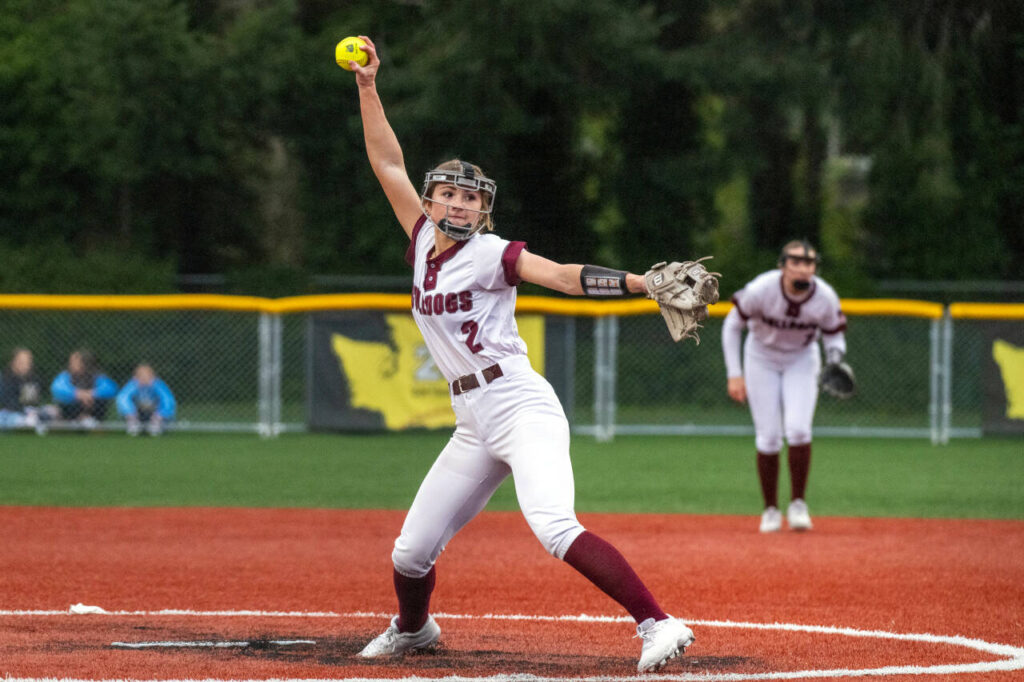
x=371 y=370
x=1003 y=380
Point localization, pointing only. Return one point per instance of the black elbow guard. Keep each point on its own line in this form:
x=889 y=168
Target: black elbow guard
x=602 y=282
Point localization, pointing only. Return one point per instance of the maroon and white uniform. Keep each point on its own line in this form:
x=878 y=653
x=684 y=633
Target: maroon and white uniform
x=781 y=360
x=463 y=301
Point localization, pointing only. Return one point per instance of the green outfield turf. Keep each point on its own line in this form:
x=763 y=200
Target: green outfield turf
x=849 y=477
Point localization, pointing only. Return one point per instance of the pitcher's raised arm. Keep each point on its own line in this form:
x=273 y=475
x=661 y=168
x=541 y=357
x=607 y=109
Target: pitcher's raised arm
x=382 y=146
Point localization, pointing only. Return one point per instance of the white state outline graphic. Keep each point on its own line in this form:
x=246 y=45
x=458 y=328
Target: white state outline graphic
x=1013 y=656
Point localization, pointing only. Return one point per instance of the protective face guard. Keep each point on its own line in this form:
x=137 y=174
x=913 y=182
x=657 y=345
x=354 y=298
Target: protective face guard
x=802 y=260
x=809 y=256
x=800 y=254
x=468 y=180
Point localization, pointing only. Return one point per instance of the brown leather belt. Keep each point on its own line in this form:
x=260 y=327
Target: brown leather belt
x=469 y=382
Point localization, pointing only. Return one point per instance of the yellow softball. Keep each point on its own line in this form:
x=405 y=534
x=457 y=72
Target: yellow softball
x=351 y=49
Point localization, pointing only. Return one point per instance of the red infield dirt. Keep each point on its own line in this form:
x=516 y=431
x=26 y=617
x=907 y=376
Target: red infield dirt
x=247 y=594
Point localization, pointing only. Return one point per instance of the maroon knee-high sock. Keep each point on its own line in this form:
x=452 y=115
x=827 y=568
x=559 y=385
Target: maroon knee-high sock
x=604 y=566
x=768 y=473
x=799 y=467
x=413 y=600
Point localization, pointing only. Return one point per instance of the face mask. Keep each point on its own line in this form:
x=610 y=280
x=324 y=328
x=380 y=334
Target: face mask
x=801 y=284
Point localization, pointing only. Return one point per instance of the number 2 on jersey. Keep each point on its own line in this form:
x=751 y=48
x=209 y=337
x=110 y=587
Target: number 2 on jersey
x=470 y=329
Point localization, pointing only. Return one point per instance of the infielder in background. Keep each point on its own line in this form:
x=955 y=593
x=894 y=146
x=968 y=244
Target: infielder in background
x=508 y=418
x=785 y=311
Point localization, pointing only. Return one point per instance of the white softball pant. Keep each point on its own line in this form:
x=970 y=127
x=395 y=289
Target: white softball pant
x=516 y=426
x=782 y=390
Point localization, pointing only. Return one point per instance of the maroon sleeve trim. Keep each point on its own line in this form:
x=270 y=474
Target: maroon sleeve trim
x=410 y=253
x=736 y=303
x=508 y=262
x=840 y=328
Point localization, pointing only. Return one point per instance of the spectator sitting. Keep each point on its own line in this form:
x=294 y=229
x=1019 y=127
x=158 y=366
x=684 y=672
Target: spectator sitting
x=82 y=390
x=146 y=400
x=20 y=393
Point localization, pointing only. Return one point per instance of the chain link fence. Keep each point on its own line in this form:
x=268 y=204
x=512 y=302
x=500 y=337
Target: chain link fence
x=210 y=359
x=663 y=387
x=249 y=369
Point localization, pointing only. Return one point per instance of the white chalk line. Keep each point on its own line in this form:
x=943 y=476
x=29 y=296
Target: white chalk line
x=1013 y=657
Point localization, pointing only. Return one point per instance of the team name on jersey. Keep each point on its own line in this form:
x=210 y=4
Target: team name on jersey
x=440 y=303
x=787 y=324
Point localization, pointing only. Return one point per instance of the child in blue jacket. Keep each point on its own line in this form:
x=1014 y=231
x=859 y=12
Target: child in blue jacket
x=146 y=401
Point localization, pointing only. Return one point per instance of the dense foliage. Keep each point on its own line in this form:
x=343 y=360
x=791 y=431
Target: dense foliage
x=142 y=140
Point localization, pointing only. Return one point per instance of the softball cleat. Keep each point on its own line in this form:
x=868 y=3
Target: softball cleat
x=663 y=641
x=391 y=643
x=798 y=516
x=771 y=520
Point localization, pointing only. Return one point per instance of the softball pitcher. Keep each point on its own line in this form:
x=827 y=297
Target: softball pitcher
x=508 y=419
x=785 y=311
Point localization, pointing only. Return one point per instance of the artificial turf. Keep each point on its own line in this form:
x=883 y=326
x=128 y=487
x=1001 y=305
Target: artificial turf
x=969 y=478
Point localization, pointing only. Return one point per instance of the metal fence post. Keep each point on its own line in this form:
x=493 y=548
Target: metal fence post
x=275 y=374
x=599 y=369
x=603 y=378
x=269 y=375
x=263 y=425
x=612 y=375
x=947 y=377
x=569 y=351
x=935 y=380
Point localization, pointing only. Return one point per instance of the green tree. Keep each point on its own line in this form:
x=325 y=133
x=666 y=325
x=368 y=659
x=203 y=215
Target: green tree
x=934 y=99
x=141 y=134
x=542 y=110
x=218 y=137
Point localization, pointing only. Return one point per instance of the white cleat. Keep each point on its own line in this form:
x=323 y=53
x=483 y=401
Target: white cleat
x=391 y=643
x=663 y=641
x=798 y=516
x=771 y=520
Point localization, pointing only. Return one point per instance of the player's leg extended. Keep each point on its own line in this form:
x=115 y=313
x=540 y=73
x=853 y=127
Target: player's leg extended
x=456 y=488
x=764 y=395
x=536 y=447
x=543 y=477
x=663 y=636
x=800 y=396
x=537 y=451
x=535 y=443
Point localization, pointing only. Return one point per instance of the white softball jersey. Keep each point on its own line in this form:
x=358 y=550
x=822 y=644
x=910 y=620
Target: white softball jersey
x=463 y=301
x=781 y=361
x=782 y=325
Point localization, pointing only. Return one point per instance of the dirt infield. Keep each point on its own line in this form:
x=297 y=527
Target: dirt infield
x=243 y=594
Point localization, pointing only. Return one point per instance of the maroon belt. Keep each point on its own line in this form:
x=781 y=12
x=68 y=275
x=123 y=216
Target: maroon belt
x=469 y=382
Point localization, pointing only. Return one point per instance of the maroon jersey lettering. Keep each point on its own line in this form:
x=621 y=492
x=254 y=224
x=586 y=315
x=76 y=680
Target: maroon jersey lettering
x=471 y=329
x=439 y=303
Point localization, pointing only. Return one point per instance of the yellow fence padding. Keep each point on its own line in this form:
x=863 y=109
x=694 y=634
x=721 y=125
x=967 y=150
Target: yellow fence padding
x=582 y=307
x=987 y=311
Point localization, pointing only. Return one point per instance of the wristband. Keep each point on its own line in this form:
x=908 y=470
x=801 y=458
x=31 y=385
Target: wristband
x=834 y=356
x=601 y=282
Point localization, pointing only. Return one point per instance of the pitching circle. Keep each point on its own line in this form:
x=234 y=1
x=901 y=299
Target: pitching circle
x=1011 y=657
